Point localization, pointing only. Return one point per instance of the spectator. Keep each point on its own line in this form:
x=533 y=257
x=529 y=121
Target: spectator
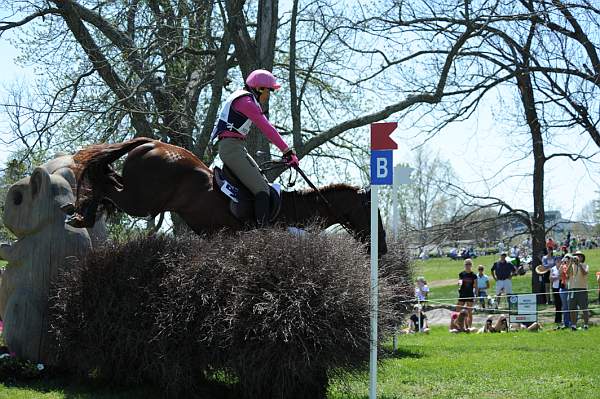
x=573 y=245
x=502 y=272
x=563 y=291
x=529 y=326
x=501 y=325
x=466 y=291
x=549 y=244
x=421 y=289
x=453 y=327
x=500 y=247
x=514 y=253
x=453 y=253
x=598 y=281
x=556 y=286
x=418 y=321
x=548 y=262
x=487 y=327
x=578 y=296
x=483 y=284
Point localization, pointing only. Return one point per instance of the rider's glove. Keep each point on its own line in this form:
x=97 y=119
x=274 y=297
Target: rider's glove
x=290 y=158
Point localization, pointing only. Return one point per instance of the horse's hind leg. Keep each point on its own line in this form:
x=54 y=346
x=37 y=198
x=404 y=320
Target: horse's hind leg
x=85 y=215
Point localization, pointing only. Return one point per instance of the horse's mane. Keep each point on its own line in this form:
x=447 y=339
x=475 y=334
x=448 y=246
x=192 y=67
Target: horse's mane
x=335 y=187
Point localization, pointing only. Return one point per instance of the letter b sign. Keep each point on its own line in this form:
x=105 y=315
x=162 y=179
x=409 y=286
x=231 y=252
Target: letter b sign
x=382 y=168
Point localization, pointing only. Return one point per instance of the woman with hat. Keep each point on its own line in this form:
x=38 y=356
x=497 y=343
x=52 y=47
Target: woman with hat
x=578 y=297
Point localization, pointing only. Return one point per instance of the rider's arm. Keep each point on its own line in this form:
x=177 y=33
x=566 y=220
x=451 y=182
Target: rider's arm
x=248 y=107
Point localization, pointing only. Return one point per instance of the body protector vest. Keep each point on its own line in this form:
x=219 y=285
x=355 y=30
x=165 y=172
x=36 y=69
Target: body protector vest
x=230 y=119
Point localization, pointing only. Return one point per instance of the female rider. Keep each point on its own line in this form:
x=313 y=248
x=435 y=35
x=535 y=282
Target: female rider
x=240 y=111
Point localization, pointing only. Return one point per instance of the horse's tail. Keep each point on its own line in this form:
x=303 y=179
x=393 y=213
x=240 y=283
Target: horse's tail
x=94 y=161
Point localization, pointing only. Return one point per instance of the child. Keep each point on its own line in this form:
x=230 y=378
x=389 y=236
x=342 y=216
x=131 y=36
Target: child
x=418 y=321
x=421 y=289
x=483 y=284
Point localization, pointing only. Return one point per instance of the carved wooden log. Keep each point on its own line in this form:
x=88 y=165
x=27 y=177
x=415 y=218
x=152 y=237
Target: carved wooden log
x=45 y=244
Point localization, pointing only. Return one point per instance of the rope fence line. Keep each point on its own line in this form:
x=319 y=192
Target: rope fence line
x=497 y=296
x=504 y=311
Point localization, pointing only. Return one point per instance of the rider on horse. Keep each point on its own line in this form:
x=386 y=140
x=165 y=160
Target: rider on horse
x=240 y=111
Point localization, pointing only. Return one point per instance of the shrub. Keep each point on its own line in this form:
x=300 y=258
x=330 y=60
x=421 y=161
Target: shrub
x=273 y=312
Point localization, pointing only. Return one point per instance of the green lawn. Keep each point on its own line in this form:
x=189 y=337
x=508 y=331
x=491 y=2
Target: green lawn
x=57 y=390
x=548 y=364
x=445 y=268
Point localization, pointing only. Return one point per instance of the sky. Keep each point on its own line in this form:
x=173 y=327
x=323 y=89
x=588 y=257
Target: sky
x=478 y=150
x=483 y=151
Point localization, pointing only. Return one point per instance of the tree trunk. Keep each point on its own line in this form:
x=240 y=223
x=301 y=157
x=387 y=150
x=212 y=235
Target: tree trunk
x=251 y=55
x=266 y=34
x=538 y=230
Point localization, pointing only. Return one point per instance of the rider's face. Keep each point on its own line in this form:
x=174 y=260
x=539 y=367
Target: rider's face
x=264 y=95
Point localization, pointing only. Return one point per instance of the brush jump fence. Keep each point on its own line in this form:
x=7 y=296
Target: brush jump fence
x=266 y=313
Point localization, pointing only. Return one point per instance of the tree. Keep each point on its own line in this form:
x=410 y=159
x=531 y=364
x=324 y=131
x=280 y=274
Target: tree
x=160 y=69
x=424 y=202
x=540 y=47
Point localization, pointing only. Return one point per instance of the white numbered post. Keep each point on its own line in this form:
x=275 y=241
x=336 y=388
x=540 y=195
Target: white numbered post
x=374 y=291
x=381 y=174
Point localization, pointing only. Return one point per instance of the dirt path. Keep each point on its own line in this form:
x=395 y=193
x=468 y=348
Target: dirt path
x=442 y=283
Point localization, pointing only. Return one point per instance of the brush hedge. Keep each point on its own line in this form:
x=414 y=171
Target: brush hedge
x=270 y=313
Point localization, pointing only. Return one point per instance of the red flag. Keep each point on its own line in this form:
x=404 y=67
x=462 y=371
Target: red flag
x=380 y=136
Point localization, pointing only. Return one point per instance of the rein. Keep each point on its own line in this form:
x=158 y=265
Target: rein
x=330 y=207
x=343 y=218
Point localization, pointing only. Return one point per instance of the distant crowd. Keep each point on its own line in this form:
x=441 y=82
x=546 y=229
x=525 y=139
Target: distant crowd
x=565 y=276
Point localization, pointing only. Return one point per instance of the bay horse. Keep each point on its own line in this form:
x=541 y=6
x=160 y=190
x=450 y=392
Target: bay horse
x=159 y=177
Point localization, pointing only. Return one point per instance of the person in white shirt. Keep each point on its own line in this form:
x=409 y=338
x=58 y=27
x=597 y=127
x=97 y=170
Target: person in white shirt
x=483 y=284
x=548 y=262
x=421 y=289
x=556 y=286
x=514 y=252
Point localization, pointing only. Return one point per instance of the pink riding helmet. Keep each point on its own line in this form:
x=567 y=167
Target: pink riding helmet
x=262 y=78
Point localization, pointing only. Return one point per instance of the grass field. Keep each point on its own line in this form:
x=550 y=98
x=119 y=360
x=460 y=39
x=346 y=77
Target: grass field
x=547 y=364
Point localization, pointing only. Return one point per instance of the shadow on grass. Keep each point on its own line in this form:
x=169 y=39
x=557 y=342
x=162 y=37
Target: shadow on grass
x=73 y=388
x=388 y=353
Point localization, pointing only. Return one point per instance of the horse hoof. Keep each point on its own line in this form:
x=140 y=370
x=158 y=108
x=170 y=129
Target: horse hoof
x=75 y=221
x=69 y=208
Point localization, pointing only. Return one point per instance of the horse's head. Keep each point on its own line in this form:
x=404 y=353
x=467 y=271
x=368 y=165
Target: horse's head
x=358 y=219
x=345 y=205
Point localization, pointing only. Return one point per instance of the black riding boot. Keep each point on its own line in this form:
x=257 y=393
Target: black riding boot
x=261 y=209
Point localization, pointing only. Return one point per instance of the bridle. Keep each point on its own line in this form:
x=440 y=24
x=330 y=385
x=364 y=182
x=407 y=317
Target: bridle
x=342 y=219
